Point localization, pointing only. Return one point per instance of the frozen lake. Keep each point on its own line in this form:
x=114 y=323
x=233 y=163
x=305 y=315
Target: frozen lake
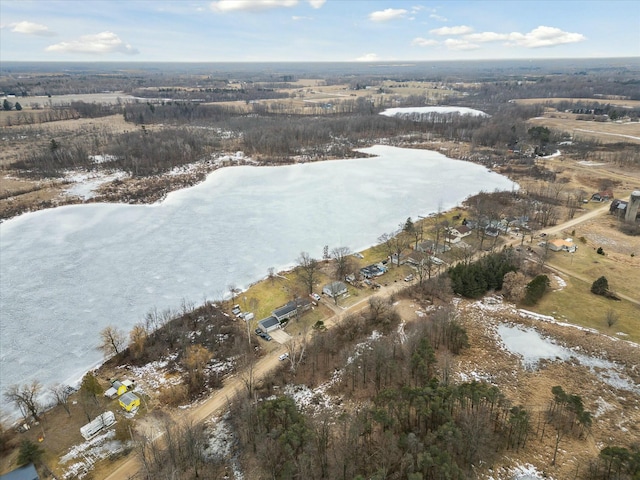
x=68 y=272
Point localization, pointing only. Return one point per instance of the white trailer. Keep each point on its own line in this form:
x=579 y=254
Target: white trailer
x=101 y=421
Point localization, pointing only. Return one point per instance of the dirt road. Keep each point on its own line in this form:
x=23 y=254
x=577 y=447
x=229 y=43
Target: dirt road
x=234 y=385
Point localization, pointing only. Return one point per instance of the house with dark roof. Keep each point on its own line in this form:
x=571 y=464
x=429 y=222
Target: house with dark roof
x=268 y=324
x=618 y=207
x=285 y=312
x=374 y=270
x=602 y=196
x=27 y=472
x=291 y=309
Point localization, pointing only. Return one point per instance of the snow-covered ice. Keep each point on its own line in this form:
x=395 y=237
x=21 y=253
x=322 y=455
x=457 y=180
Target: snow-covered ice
x=68 y=272
x=441 y=110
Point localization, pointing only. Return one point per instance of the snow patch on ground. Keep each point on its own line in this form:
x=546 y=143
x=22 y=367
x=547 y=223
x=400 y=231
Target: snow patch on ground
x=311 y=401
x=153 y=375
x=85 y=455
x=520 y=472
x=561 y=283
x=85 y=184
x=221 y=444
x=588 y=163
x=557 y=153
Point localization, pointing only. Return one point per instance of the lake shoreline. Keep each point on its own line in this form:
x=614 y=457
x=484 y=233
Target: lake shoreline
x=171 y=266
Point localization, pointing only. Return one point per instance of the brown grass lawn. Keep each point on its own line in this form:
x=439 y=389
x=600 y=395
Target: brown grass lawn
x=576 y=304
x=617 y=264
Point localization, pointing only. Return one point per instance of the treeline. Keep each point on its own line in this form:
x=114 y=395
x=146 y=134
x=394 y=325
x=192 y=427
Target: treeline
x=140 y=153
x=418 y=424
x=592 y=85
x=474 y=279
x=595 y=107
x=246 y=94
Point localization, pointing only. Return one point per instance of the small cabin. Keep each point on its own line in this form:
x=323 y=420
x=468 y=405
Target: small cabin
x=129 y=401
x=118 y=388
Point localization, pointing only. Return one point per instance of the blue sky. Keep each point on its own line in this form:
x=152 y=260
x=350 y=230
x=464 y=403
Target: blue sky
x=316 y=30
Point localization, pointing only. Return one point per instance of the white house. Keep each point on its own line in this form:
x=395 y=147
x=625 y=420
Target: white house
x=334 y=289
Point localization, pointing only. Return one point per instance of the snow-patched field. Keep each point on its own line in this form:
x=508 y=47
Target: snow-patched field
x=68 y=272
x=416 y=111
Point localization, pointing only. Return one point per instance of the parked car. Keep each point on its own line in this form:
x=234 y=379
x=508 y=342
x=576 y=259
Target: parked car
x=316 y=297
x=284 y=356
x=408 y=278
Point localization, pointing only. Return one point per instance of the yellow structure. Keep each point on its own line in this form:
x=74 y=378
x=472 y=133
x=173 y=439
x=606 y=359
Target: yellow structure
x=129 y=401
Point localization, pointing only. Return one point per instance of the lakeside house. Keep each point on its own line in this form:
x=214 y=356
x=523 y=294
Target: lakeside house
x=281 y=314
x=118 y=388
x=129 y=401
x=268 y=324
x=334 y=289
x=460 y=231
x=374 y=270
x=431 y=248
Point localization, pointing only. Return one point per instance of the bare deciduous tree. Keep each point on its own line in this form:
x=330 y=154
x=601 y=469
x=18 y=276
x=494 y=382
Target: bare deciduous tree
x=341 y=255
x=25 y=397
x=112 y=341
x=137 y=340
x=514 y=286
x=61 y=395
x=195 y=361
x=307 y=270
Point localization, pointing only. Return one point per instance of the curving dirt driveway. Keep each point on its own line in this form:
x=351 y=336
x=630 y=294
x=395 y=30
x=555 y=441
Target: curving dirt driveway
x=234 y=385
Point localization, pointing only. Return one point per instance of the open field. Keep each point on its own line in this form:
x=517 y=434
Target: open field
x=604 y=101
x=575 y=304
x=620 y=263
x=604 y=132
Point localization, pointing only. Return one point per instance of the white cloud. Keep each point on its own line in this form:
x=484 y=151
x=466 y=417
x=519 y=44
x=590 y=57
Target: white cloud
x=458 y=30
x=437 y=17
x=317 y=3
x=368 y=57
x=30 y=28
x=254 y=5
x=486 y=37
x=297 y=18
x=388 y=14
x=424 y=42
x=101 y=43
x=544 y=37
x=458 y=44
